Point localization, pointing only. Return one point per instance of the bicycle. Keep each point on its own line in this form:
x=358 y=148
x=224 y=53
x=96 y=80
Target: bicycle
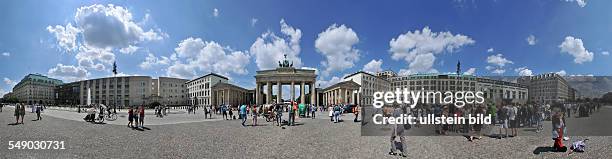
x=107 y=116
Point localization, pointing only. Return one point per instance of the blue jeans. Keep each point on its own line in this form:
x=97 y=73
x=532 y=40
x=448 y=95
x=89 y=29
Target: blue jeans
x=336 y=116
x=244 y=118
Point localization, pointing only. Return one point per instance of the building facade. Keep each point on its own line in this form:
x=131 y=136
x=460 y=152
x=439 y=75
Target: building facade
x=199 y=89
x=345 y=92
x=229 y=94
x=496 y=91
x=547 y=88
x=369 y=84
x=285 y=74
x=172 y=91
x=36 y=89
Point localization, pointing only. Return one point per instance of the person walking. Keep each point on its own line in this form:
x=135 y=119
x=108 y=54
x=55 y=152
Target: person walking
x=512 y=117
x=336 y=114
x=22 y=113
x=356 y=112
x=141 y=112
x=313 y=109
x=38 y=109
x=17 y=112
x=130 y=117
x=254 y=113
x=136 y=120
x=331 y=113
x=231 y=113
x=279 y=115
x=397 y=131
x=224 y=111
x=291 y=114
x=243 y=113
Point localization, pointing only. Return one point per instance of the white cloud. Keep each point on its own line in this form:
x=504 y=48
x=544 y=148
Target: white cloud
x=197 y=56
x=575 y=47
x=94 y=58
x=418 y=48
x=66 y=36
x=253 y=21
x=111 y=27
x=268 y=49
x=336 y=43
x=580 y=3
x=531 y=40
x=523 y=71
x=561 y=73
x=7 y=54
x=470 y=71
x=373 y=66
x=68 y=72
x=498 y=60
x=216 y=12
x=312 y=68
x=9 y=82
x=490 y=50
x=605 y=53
x=327 y=83
x=129 y=50
x=152 y=61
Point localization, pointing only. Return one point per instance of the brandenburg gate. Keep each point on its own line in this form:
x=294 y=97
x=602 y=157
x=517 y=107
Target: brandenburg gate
x=285 y=74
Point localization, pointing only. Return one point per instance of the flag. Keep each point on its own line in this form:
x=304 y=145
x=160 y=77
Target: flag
x=115 y=68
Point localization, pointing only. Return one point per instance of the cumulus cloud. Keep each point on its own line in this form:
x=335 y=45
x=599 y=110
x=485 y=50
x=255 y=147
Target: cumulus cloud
x=470 y=71
x=68 y=72
x=498 y=62
x=531 y=40
x=331 y=81
x=523 y=71
x=605 y=53
x=336 y=43
x=580 y=3
x=418 y=48
x=561 y=73
x=490 y=50
x=94 y=58
x=153 y=61
x=129 y=50
x=7 y=54
x=269 y=48
x=373 y=66
x=198 y=56
x=575 y=47
x=216 y=12
x=99 y=31
x=111 y=27
x=66 y=36
x=9 y=82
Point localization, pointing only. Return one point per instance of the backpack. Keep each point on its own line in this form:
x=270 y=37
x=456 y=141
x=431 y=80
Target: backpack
x=578 y=146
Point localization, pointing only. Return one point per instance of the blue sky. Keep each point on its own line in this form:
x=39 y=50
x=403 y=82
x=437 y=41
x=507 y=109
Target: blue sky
x=73 y=40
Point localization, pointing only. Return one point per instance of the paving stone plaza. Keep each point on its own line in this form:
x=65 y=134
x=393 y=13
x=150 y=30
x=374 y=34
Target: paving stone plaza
x=183 y=135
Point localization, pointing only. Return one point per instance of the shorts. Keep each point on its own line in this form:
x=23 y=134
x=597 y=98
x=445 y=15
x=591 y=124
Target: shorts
x=513 y=123
x=504 y=123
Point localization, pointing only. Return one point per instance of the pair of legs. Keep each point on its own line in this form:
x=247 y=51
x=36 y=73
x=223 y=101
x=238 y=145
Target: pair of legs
x=254 y=120
x=402 y=145
x=244 y=118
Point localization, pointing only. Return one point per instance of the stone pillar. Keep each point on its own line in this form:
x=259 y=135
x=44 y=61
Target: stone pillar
x=279 y=94
x=257 y=96
x=269 y=92
x=302 y=94
x=292 y=91
x=313 y=94
x=227 y=99
x=345 y=94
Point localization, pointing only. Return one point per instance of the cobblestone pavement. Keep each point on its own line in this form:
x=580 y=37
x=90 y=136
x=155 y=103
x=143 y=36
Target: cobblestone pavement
x=311 y=138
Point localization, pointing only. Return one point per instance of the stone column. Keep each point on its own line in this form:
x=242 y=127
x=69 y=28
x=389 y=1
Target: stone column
x=257 y=96
x=313 y=94
x=269 y=92
x=345 y=94
x=292 y=91
x=302 y=93
x=279 y=94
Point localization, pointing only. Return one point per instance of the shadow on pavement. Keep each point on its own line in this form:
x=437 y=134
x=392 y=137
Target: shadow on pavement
x=541 y=149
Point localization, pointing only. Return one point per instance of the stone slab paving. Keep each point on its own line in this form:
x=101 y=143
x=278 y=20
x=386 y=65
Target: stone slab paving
x=317 y=138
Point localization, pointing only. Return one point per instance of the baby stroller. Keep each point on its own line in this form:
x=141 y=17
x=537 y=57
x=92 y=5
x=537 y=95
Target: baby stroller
x=91 y=115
